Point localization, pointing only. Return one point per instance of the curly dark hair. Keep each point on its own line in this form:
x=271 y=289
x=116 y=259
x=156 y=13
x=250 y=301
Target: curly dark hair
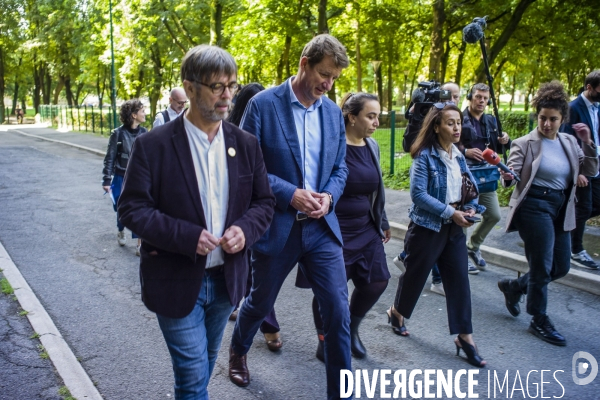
x=353 y=103
x=129 y=108
x=552 y=95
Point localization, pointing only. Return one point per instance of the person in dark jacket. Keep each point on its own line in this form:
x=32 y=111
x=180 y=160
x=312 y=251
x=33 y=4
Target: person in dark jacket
x=117 y=156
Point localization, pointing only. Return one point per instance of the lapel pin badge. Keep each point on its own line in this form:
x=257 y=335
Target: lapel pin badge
x=231 y=152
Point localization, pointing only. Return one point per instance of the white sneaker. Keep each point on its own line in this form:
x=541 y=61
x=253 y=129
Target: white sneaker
x=400 y=264
x=585 y=260
x=137 y=249
x=121 y=238
x=472 y=269
x=438 y=288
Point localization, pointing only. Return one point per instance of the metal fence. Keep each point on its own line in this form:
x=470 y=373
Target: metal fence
x=78 y=118
x=389 y=135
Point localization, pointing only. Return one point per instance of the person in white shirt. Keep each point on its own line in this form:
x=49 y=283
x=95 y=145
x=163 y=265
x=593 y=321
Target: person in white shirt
x=177 y=103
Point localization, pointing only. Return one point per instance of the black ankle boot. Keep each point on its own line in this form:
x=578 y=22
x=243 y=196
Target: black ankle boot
x=542 y=327
x=356 y=346
x=321 y=346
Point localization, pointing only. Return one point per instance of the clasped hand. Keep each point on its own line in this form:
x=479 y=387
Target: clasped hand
x=459 y=217
x=313 y=204
x=232 y=241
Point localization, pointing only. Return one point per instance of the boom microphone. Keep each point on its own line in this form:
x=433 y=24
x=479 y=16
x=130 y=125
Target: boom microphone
x=492 y=158
x=473 y=32
x=418 y=96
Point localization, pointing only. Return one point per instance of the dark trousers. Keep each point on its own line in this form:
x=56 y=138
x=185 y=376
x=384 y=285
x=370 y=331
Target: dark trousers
x=587 y=206
x=311 y=243
x=540 y=221
x=424 y=247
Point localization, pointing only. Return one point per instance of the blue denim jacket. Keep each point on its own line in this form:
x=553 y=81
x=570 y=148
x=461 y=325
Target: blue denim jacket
x=428 y=185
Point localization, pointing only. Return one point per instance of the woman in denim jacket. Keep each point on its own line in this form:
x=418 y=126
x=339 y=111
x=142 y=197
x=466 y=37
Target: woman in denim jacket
x=435 y=233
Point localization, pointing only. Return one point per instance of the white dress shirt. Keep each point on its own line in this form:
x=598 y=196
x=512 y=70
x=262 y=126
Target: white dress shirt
x=453 y=175
x=160 y=119
x=593 y=110
x=210 y=164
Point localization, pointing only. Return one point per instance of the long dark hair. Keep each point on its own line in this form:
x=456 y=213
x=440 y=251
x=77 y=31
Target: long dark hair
x=241 y=101
x=427 y=136
x=353 y=103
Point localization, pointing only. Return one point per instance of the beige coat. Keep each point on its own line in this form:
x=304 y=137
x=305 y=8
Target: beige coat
x=525 y=158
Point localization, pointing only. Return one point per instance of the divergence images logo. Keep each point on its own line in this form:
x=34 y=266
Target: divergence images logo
x=582 y=367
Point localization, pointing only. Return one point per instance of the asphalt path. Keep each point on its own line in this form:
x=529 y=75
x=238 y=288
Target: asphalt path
x=60 y=231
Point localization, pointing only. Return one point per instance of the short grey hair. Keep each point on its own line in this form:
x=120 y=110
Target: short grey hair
x=325 y=45
x=203 y=62
x=482 y=87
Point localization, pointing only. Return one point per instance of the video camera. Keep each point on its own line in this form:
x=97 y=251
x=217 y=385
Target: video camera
x=423 y=98
x=428 y=93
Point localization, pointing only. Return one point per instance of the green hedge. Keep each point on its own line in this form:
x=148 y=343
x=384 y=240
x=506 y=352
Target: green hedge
x=516 y=123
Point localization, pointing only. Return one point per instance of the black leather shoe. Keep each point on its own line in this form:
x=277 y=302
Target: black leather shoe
x=511 y=297
x=321 y=346
x=542 y=327
x=238 y=370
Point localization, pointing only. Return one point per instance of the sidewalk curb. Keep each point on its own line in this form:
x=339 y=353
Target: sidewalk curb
x=576 y=279
x=88 y=149
x=68 y=367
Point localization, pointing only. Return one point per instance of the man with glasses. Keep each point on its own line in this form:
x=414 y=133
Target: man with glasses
x=177 y=103
x=197 y=193
x=584 y=110
x=302 y=136
x=479 y=132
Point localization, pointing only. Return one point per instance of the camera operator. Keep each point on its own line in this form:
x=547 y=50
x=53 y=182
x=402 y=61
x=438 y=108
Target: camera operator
x=479 y=132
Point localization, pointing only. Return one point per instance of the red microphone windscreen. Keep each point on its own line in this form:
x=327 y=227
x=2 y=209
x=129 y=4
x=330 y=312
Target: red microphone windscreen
x=491 y=157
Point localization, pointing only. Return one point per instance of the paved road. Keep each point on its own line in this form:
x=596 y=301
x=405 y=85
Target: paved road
x=60 y=231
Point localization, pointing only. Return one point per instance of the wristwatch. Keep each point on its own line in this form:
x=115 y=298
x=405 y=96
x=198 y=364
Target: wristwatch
x=330 y=201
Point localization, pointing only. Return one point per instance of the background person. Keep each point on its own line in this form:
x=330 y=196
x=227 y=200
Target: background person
x=177 y=102
x=269 y=327
x=177 y=190
x=120 y=142
x=542 y=205
x=585 y=110
x=480 y=132
x=435 y=233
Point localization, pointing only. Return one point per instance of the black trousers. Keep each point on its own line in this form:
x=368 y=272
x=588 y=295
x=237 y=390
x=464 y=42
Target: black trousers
x=587 y=206
x=424 y=248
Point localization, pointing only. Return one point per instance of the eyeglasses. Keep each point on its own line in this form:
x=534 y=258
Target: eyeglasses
x=181 y=103
x=441 y=105
x=219 y=88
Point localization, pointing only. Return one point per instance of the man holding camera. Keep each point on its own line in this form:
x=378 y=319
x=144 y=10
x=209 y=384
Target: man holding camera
x=479 y=132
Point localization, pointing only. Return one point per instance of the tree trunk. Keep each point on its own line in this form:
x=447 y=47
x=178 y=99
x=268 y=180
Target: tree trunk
x=16 y=92
x=506 y=34
x=459 y=63
x=37 y=87
x=358 y=60
x=77 y=94
x=47 y=93
x=512 y=92
x=437 y=41
x=444 y=61
x=216 y=18
x=322 y=21
x=2 y=116
x=59 y=85
x=68 y=91
x=284 y=60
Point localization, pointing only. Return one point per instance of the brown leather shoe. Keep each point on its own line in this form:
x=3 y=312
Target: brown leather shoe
x=238 y=370
x=273 y=340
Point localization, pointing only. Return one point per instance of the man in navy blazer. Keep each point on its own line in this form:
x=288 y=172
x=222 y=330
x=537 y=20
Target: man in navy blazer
x=302 y=136
x=584 y=110
x=196 y=191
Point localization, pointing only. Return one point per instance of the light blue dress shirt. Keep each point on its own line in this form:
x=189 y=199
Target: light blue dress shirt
x=308 y=128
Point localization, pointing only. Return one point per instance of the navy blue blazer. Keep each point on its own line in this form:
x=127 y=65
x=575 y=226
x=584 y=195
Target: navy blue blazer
x=578 y=112
x=161 y=203
x=270 y=118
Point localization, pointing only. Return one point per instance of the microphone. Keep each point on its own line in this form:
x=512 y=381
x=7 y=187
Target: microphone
x=492 y=158
x=473 y=32
x=418 y=96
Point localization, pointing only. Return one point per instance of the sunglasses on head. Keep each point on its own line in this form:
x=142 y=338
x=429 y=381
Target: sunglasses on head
x=441 y=105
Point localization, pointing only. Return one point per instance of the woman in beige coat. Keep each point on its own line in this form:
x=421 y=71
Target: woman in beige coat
x=542 y=206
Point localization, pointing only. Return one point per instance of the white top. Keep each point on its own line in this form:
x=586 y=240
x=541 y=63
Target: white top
x=210 y=164
x=453 y=175
x=160 y=120
x=593 y=110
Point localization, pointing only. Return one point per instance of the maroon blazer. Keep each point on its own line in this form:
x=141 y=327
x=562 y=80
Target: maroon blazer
x=161 y=203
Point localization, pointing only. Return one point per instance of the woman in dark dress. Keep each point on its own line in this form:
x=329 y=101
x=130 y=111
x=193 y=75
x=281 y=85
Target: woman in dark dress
x=360 y=212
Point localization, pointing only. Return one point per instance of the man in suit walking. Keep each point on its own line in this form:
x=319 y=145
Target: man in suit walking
x=302 y=136
x=584 y=110
x=196 y=191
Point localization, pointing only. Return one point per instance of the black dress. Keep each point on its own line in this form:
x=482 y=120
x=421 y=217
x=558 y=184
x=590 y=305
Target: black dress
x=364 y=255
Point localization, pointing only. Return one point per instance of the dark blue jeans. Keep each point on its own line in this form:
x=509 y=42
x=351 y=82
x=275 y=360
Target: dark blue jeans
x=116 y=186
x=311 y=243
x=540 y=220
